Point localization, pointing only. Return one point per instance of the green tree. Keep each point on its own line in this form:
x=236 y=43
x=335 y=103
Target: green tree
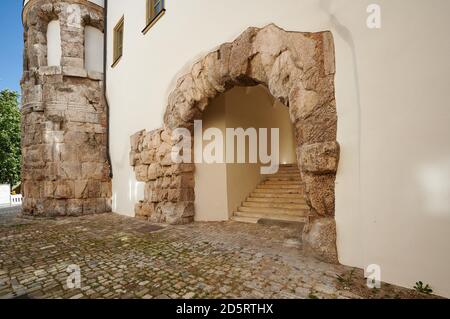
x=10 y=150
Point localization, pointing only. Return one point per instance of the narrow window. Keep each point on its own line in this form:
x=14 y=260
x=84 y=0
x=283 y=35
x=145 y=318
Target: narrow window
x=155 y=9
x=54 y=49
x=118 y=41
x=93 y=49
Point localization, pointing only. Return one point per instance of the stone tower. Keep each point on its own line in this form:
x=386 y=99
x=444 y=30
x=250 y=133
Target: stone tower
x=65 y=170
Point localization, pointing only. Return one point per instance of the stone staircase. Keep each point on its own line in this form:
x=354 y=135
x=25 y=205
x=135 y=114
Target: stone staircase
x=279 y=198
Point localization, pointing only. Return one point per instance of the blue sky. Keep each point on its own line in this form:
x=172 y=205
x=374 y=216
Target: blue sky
x=11 y=35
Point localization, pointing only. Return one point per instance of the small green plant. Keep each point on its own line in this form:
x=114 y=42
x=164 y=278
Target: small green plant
x=424 y=289
x=346 y=281
x=312 y=296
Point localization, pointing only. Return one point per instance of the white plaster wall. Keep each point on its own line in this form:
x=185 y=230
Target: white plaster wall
x=54 y=49
x=5 y=194
x=392 y=188
x=93 y=49
x=211 y=195
x=98 y=2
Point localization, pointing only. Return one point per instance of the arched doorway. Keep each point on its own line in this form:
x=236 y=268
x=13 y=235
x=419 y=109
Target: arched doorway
x=298 y=70
x=229 y=183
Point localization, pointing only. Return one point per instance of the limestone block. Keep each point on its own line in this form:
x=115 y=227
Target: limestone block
x=50 y=70
x=302 y=102
x=90 y=206
x=106 y=189
x=93 y=170
x=74 y=207
x=184 y=180
x=81 y=189
x=181 y=194
x=241 y=50
x=328 y=53
x=166 y=137
x=64 y=189
x=161 y=194
x=166 y=181
x=154 y=171
x=150 y=193
x=101 y=206
x=319 y=239
x=69 y=152
x=176 y=169
x=146 y=157
x=144 y=210
x=74 y=71
x=319 y=158
x=175 y=213
x=53 y=207
x=74 y=62
x=96 y=76
x=320 y=193
x=138 y=209
x=135 y=140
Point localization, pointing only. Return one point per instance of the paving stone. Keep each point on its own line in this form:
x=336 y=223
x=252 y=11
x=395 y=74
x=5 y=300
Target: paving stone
x=199 y=260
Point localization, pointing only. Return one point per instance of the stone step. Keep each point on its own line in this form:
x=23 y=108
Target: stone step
x=274 y=211
x=270 y=182
x=283 y=178
x=294 y=200
x=281 y=186
x=289 y=170
x=278 y=195
x=278 y=217
x=285 y=175
x=275 y=205
x=279 y=190
x=288 y=165
x=248 y=220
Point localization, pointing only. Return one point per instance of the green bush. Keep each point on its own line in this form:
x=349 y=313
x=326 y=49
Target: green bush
x=10 y=150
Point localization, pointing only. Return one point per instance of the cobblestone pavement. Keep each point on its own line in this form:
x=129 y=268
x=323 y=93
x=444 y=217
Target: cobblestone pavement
x=10 y=209
x=122 y=257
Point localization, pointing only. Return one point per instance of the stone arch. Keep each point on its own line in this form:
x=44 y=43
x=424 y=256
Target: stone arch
x=298 y=69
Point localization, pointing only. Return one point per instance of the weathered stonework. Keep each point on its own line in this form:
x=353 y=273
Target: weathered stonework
x=298 y=69
x=65 y=170
x=319 y=239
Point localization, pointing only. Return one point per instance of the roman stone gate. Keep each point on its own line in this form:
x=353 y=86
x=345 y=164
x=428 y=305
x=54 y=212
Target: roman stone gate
x=298 y=69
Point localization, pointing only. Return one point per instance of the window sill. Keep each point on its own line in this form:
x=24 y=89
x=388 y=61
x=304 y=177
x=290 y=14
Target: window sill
x=116 y=61
x=153 y=21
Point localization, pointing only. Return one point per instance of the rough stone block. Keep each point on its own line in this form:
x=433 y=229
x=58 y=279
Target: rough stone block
x=146 y=157
x=64 y=189
x=320 y=193
x=319 y=239
x=135 y=140
x=320 y=158
x=181 y=194
x=74 y=207
x=185 y=180
x=142 y=173
x=93 y=170
x=74 y=71
x=154 y=172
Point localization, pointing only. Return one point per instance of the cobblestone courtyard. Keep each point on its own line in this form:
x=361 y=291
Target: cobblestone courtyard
x=122 y=257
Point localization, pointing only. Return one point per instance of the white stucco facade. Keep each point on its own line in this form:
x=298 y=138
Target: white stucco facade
x=393 y=183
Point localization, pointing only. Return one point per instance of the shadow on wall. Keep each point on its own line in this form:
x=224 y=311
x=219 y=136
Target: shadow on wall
x=347 y=36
